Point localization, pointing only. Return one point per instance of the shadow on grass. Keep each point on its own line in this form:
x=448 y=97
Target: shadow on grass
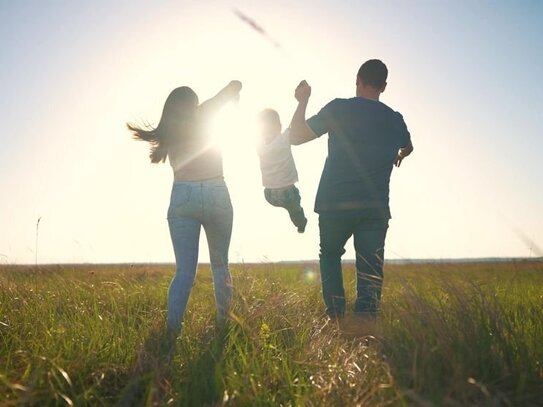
x=202 y=380
x=160 y=377
x=148 y=381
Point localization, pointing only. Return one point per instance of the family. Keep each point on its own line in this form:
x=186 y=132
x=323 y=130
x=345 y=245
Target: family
x=366 y=138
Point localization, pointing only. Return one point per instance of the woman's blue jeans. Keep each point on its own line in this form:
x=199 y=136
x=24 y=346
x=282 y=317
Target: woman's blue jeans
x=193 y=205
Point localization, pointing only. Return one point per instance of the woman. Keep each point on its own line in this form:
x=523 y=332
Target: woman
x=199 y=194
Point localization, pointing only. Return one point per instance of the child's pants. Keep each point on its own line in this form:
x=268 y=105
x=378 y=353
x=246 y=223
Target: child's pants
x=288 y=198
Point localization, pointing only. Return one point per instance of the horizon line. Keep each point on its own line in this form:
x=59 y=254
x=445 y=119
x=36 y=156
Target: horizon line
x=495 y=259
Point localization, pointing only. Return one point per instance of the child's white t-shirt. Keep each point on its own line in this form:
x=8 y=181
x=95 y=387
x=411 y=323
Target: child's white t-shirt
x=277 y=163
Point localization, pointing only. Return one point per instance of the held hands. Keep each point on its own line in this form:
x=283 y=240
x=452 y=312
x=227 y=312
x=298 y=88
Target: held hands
x=235 y=86
x=230 y=93
x=302 y=92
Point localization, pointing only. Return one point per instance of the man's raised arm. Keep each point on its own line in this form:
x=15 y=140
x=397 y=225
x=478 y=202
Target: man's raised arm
x=299 y=130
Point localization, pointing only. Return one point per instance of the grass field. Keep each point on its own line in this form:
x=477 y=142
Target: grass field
x=449 y=335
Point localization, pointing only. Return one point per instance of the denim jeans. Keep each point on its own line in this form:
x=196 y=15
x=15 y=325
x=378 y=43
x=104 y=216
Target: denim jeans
x=196 y=204
x=369 y=243
x=288 y=198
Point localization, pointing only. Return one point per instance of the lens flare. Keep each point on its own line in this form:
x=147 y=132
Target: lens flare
x=309 y=275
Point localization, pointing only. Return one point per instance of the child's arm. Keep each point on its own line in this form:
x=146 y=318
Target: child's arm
x=229 y=93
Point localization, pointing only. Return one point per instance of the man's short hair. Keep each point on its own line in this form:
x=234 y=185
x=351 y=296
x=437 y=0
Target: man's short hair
x=373 y=73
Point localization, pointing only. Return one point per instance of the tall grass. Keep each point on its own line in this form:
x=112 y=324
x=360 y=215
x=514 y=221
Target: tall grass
x=451 y=335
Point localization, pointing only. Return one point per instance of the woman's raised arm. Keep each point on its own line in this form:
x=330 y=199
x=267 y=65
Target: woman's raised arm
x=227 y=94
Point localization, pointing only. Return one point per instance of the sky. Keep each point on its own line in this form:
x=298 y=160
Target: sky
x=464 y=74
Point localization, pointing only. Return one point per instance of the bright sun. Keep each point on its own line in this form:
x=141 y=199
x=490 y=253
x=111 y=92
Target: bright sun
x=235 y=132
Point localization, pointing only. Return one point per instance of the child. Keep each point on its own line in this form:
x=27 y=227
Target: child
x=278 y=169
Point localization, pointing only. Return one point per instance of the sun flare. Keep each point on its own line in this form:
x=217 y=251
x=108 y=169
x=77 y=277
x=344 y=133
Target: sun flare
x=235 y=131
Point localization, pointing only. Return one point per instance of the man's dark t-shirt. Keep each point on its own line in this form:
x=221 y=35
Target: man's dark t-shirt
x=364 y=138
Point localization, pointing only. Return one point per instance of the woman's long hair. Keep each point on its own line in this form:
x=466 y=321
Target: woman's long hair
x=176 y=120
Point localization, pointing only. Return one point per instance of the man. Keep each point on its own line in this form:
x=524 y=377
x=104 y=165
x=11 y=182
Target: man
x=366 y=138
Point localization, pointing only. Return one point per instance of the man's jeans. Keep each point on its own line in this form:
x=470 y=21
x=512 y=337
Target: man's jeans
x=288 y=198
x=369 y=241
x=195 y=204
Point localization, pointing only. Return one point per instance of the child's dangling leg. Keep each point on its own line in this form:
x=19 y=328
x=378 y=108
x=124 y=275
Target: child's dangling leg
x=297 y=217
x=295 y=210
x=288 y=198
